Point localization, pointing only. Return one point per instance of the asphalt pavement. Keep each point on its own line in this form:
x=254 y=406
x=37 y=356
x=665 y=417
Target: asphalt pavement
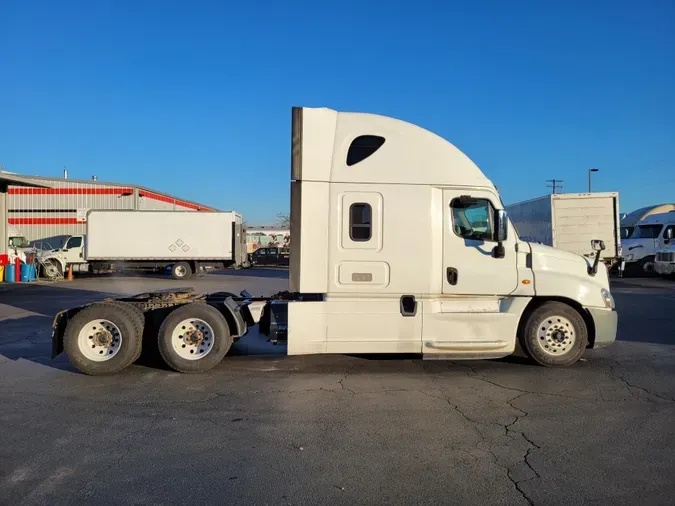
x=263 y=428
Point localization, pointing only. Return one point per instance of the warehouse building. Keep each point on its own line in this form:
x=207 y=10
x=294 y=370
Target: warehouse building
x=57 y=207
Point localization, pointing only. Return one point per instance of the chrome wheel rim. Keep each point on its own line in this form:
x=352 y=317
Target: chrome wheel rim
x=180 y=271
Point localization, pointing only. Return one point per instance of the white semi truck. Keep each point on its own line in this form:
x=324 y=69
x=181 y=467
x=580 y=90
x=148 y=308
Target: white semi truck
x=183 y=241
x=399 y=244
x=651 y=235
x=569 y=221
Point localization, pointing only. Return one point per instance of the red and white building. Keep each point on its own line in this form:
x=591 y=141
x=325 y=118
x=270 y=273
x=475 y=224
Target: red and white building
x=58 y=209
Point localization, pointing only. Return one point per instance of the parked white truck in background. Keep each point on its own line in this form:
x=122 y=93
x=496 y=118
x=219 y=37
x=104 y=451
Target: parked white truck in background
x=465 y=287
x=652 y=234
x=183 y=241
x=630 y=221
x=569 y=221
x=17 y=244
x=664 y=262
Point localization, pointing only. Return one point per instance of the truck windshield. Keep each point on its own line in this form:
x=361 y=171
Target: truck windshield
x=648 y=231
x=18 y=242
x=626 y=232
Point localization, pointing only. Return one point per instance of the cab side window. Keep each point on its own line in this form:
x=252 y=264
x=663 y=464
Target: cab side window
x=473 y=219
x=74 y=242
x=360 y=222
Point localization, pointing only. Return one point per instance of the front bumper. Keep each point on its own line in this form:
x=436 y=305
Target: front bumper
x=664 y=267
x=605 y=322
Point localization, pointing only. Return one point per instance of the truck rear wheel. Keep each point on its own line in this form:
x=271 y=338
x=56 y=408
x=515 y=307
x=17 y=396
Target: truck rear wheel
x=181 y=270
x=554 y=335
x=103 y=338
x=137 y=317
x=194 y=338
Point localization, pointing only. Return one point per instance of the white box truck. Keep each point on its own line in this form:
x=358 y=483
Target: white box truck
x=570 y=221
x=445 y=275
x=183 y=241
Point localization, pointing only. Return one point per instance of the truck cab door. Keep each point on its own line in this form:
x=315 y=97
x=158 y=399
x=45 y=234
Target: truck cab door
x=472 y=262
x=73 y=250
x=473 y=317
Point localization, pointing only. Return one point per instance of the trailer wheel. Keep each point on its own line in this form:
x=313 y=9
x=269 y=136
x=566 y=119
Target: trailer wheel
x=194 y=338
x=103 y=338
x=554 y=335
x=181 y=270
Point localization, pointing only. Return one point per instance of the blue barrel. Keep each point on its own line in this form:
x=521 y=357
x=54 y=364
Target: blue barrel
x=10 y=273
x=27 y=271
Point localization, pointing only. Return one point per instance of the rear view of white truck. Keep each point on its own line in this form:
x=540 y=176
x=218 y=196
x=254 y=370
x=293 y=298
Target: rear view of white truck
x=465 y=287
x=569 y=221
x=181 y=240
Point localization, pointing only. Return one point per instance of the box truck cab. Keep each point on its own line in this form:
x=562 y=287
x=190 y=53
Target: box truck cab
x=17 y=244
x=399 y=244
x=650 y=235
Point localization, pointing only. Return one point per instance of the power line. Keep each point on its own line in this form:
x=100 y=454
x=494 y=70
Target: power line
x=555 y=184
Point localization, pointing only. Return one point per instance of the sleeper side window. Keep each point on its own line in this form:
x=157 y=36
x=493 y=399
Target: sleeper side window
x=473 y=219
x=360 y=222
x=362 y=147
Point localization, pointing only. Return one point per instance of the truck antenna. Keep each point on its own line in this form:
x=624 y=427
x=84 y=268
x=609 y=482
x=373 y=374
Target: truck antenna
x=555 y=184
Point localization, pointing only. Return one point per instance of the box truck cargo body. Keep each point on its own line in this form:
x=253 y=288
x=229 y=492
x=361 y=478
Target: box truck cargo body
x=465 y=287
x=183 y=240
x=570 y=221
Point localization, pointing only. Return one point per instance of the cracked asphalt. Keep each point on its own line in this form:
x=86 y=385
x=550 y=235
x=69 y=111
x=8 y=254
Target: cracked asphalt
x=263 y=428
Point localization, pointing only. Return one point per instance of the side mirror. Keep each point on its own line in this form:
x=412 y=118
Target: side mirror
x=598 y=245
x=668 y=235
x=501 y=226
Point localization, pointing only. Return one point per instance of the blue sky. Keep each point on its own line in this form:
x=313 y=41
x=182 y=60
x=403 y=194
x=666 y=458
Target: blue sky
x=194 y=98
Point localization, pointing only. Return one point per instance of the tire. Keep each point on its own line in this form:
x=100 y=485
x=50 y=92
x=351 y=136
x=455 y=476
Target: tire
x=645 y=267
x=51 y=269
x=121 y=331
x=181 y=270
x=554 y=335
x=206 y=345
x=138 y=318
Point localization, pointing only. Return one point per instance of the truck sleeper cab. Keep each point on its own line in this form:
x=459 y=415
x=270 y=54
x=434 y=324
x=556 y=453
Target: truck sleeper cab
x=399 y=244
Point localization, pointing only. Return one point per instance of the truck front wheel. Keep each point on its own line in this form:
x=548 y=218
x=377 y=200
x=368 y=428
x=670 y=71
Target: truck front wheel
x=194 y=338
x=103 y=338
x=181 y=270
x=51 y=269
x=554 y=335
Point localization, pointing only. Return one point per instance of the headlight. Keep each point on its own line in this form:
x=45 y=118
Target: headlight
x=629 y=258
x=607 y=297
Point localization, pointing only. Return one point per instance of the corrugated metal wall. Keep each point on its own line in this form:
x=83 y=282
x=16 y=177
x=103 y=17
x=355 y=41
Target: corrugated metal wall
x=47 y=215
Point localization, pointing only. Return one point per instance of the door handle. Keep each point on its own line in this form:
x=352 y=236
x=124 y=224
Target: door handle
x=452 y=275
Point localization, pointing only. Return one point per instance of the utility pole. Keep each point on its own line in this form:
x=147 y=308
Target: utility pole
x=590 y=171
x=555 y=184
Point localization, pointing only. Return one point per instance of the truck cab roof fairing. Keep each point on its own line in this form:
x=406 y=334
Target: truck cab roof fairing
x=409 y=155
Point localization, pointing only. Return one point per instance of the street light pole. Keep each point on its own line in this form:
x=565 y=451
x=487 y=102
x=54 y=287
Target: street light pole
x=589 y=178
